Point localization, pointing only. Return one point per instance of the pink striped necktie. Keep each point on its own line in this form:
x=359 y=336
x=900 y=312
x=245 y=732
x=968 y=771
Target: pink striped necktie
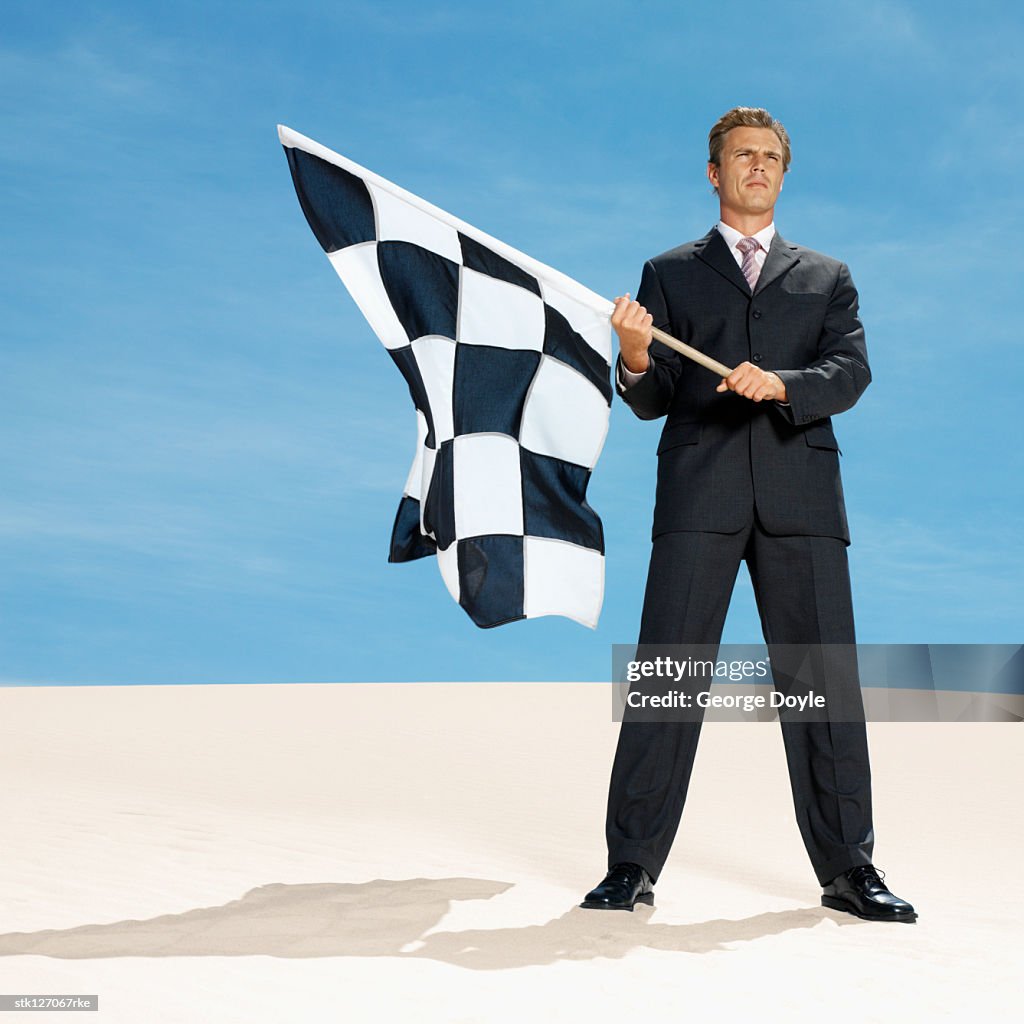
x=751 y=271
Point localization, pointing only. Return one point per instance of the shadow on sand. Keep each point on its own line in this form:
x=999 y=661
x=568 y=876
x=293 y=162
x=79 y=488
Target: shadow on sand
x=391 y=918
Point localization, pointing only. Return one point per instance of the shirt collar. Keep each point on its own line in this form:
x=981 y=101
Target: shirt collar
x=732 y=236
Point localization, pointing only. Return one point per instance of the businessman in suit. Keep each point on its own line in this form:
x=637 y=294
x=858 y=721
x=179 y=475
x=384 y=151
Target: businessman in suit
x=748 y=470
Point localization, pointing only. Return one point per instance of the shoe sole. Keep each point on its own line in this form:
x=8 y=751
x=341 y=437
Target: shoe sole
x=647 y=898
x=834 y=903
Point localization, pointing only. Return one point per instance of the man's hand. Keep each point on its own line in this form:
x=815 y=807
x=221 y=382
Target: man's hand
x=632 y=324
x=752 y=382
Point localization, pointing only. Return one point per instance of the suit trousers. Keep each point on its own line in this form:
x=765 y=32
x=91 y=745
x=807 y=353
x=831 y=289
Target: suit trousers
x=802 y=588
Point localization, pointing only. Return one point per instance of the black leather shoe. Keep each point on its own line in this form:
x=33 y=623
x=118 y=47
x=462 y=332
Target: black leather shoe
x=861 y=891
x=623 y=887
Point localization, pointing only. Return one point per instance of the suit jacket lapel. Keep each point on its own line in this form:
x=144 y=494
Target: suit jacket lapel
x=714 y=251
x=781 y=257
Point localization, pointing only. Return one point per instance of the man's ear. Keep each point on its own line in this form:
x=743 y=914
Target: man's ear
x=713 y=174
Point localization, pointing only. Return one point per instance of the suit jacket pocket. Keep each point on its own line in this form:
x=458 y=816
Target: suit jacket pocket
x=676 y=434
x=820 y=436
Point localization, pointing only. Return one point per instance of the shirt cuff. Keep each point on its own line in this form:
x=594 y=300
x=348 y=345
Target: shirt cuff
x=627 y=378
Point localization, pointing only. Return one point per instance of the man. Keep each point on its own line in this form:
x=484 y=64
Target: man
x=748 y=469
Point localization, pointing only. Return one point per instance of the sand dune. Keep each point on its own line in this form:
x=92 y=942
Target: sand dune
x=417 y=851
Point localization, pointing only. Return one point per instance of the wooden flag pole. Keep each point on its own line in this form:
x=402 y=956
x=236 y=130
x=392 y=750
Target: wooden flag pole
x=691 y=353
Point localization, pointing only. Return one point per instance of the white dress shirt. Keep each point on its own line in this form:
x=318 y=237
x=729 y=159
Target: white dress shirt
x=627 y=378
x=732 y=237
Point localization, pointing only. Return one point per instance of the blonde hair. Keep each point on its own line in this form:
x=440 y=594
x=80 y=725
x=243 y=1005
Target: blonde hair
x=746 y=117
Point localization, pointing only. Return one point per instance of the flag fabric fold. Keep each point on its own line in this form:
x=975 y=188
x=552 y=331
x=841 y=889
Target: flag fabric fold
x=508 y=364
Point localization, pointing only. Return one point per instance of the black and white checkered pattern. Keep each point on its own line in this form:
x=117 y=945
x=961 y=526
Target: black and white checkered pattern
x=508 y=365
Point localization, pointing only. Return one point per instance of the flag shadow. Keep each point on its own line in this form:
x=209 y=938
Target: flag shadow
x=389 y=917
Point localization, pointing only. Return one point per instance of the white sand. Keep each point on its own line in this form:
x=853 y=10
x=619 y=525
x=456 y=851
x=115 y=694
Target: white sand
x=416 y=852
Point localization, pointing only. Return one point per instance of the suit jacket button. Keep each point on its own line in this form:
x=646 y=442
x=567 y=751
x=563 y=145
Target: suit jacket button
x=756 y=357
x=757 y=314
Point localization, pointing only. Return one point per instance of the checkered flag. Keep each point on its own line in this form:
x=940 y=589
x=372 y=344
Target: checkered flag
x=508 y=364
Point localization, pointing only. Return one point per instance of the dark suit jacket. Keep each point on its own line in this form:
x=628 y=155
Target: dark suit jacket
x=721 y=455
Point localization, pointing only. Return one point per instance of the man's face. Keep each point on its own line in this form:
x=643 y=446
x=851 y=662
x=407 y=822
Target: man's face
x=749 y=175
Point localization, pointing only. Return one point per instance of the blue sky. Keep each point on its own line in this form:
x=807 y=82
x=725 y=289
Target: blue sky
x=205 y=445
